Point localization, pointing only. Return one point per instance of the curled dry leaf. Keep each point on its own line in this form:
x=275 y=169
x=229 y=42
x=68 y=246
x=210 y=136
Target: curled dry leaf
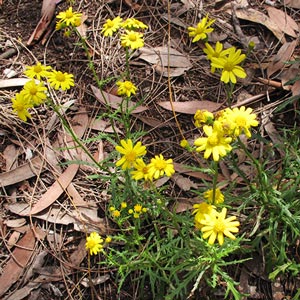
x=283 y=21
x=253 y=15
x=292 y=3
x=279 y=60
x=162 y=57
x=190 y=107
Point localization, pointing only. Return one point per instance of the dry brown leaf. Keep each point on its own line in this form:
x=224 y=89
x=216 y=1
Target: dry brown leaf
x=296 y=88
x=190 y=107
x=183 y=182
x=10 y=155
x=16 y=264
x=48 y=10
x=13 y=82
x=115 y=101
x=23 y=292
x=15 y=223
x=283 y=21
x=56 y=189
x=14 y=237
x=161 y=57
x=253 y=15
x=292 y=3
x=84 y=219
x=284 y=54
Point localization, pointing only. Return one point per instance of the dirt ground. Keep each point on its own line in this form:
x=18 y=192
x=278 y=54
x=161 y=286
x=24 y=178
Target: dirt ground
x=30 y=152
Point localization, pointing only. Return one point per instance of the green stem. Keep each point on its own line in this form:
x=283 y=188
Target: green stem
x=215 y=180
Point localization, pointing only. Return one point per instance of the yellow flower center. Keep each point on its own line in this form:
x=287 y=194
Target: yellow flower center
x=241 y=121
x=219 y=226
x=137 y=208
x=160 y=165
x=60 y=77
x=132 y=37
x=37 y=69
x=228 y=66
x=130 y=156
x=69 y=14
x=128 y=85
x=33 y=90
x=213 y=140
x=91 y=243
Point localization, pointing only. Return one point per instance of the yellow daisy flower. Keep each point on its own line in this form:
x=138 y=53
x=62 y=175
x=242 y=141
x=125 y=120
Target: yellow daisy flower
x=111 y=26
x=219 y=197
x=94 y=243
x=116 y=213
x=34 y=93
x=230 y=65
x=141 y=170
x=130 y=153
x=242 y=120
x=216 y=225
x=58 y=79
x=132 y=39
x=138 y=208
x=215 y=144
x=201 y=30
x=159 y=167
x=217 y=52
x=69 y=18
x=132 y=24
x=20 y=106
x=126 y=88
x=37 y=71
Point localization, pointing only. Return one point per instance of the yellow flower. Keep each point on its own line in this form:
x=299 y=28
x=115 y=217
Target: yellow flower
x=144 y=209
x=215 y=144
x=69 y=18
x=123 y=205
x=20 y=106
x=37 y=71
x=219 y=197
x=108 y=240
x=229 y=65
x=130 y=153
x=112 y=208
x=94 y=243
x=116 y=213
x=132 y=39
x=126 y=88
x=201 y=30
x=203 y=117
x=242 y=120
x=215 y=226
x=58 y=79
x=141 y=170
x=217 y=52
x=200 y=210
x=138 y=208
x=136 y=215
x=111 y=26
x=132 y=24
x=130 y=211
x=34 y=93
x=159 y=166
x=184 y=143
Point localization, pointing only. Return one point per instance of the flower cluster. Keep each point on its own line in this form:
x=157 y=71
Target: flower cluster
x=129 y=30
x=95 y=243
x=34 y=92
x=123 y=211
x=224 y=128
x=68 y=18
x=201 y=30
x=226 y=60
x=213 y=224
x=132 y=159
